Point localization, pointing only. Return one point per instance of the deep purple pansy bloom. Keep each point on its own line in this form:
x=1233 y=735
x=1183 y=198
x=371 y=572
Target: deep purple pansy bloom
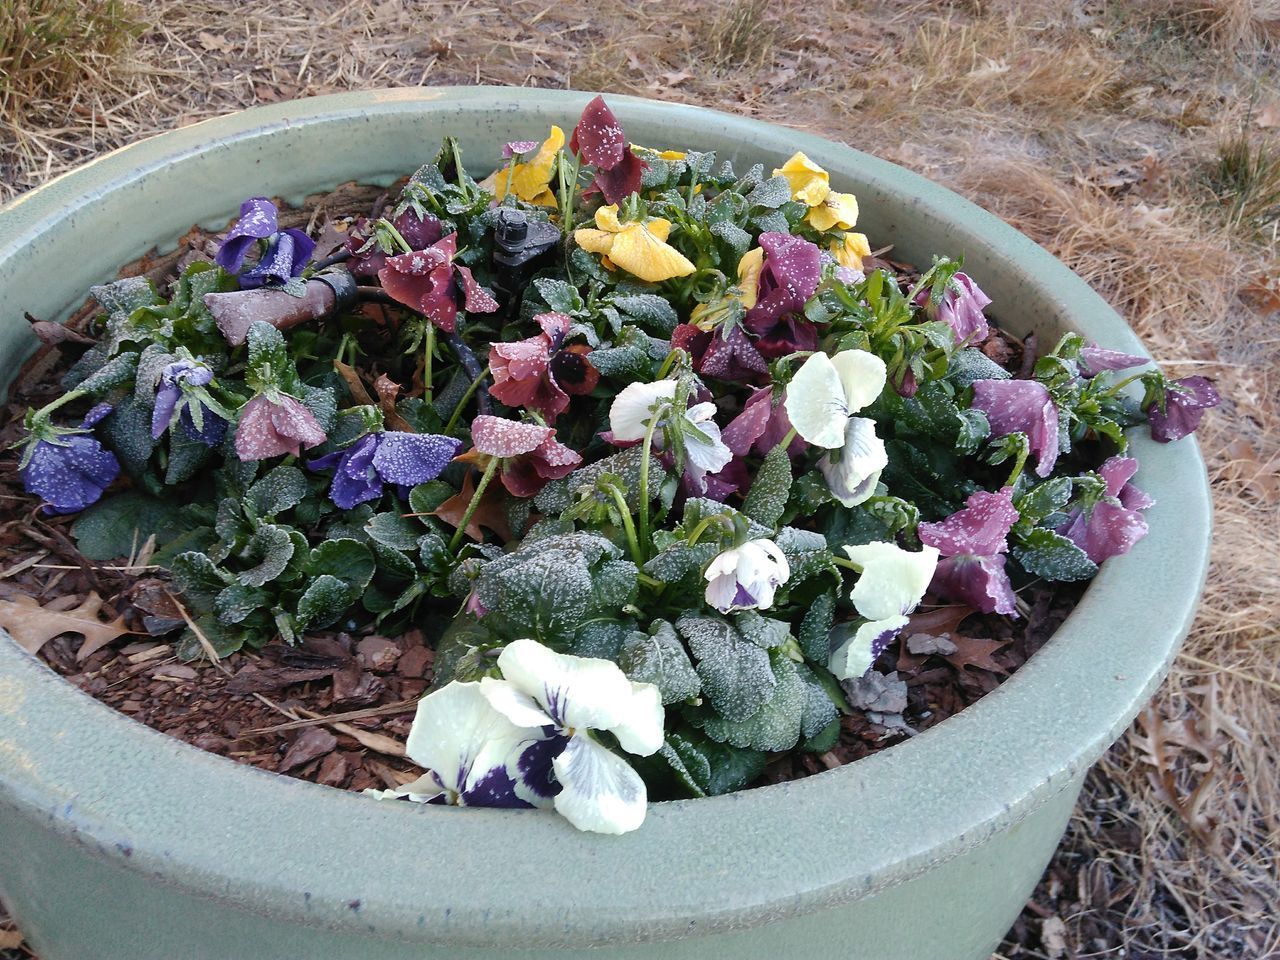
x=1095 y=359
x=273 y=427
x=790 y=275
x=70 y=469
x=725 y=353
x=1021 y=406
x=367 y=257
x=1185 y=402
x=972 y=543
x=288 y=251
x=1111 y=526
x=960 y=308
x=396 y=457
x=170 y=393
x=761 y=426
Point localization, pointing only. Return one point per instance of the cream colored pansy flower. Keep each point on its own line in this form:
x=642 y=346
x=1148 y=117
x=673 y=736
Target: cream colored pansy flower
x=811 y=185
x=638 y=246
x=530 y=180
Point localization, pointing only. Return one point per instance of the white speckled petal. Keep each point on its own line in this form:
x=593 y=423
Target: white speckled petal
x=854 y=657
x=852 y=471
x=514 y=704
x=863 y=376
x=632 y=408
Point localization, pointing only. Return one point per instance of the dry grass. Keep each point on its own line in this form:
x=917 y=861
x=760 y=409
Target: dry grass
x=1130 y=138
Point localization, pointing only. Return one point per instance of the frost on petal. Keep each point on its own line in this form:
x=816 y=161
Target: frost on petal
x=1116 y=472
x=978 y=581
x=789 y=277
x=518 y=147
x=354 y=479
x=257 y=222
x=1185 y=402
x=1108 y=530
x=476 y=299
x=71 y=474
x=704 y=451
x=853 y=470
x=961 y=308
x=1095 y=359
x=623 y=180
x=892 y=581
x=862 y=375
x=413 y=458
x=859 y=651
x=507 y=438
x=599 y=791
x=598 y=137
x=980 y=528
x=633 y=407
x=816 y=403
x=1021 y=406
x=746 y=577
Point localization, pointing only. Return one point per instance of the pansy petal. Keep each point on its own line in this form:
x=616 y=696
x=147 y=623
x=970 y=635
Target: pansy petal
x=412 y=458
x=633 y=407
x=850 y=250
x=423 y=790
x=1095 y=359
x=853 y=471
x=507 y=438
x=640 y=252
x=837 y=210
x=576 y=691
x=893 y=580
x=854 y=657
x=514 y=704
x=981 y=582
x=816 y=402
x=598 y=137
x=809 y=183
x=863 y=376
x=599 y=791
x=979 y=529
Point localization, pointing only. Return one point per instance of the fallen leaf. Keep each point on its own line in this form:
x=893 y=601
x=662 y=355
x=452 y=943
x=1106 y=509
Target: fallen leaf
x=387 y=391
x=489 y=514
x=1268 y=116
x=353 y=382
x=10 y=939
x=32 y=626
x=1053 y=937
x=310 y=744
x=974 y=652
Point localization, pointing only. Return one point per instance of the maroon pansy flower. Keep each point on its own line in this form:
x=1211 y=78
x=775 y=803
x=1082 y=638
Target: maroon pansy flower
x=531 y=455
x=790 y=275
x=1113 y=525
x=960 y=308
x=1185 y=402
x=430 y=282
x=761 y=426
x=972 y=543
x=725 y=353
x=599 y=140
x=271 y=426
x=368 y=257
x=540 y=373
x=1021 y=406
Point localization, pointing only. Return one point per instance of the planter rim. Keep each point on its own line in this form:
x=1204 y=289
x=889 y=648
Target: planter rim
x=525 y=878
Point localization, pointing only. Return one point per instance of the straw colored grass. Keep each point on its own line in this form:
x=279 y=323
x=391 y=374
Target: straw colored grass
x=1135 y=139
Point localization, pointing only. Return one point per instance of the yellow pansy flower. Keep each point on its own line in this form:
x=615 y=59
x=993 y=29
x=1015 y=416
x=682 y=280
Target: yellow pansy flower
x=850 y=250
x=530 y=180
x=810 y=184
x=837 y=210
x=638 y=247
x=707 y=316
x=661 y=154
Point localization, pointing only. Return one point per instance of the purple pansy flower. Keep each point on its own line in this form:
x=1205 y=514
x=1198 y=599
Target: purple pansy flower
x=725 y=353
x=69 y=469
x=790 y=275
x=972 y=544
x=1111 y=526
x=1021 y=406
x=287 y=253
x=599 y=140
x=171 y=392
x=1095 y=359
x=960 y=308
x=393 y=456
x=273 y=427
x=1185 y=402
x=761 y=426
x=518 y=147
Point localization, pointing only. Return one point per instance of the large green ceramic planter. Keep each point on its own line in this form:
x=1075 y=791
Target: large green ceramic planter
x=122 y=843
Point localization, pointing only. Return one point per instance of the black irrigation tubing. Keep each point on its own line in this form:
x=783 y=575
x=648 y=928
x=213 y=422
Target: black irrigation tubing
x=339 y=257
x=473 y=368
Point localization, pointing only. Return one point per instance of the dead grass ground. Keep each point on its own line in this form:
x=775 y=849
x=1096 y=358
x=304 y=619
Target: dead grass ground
x=1139 y=140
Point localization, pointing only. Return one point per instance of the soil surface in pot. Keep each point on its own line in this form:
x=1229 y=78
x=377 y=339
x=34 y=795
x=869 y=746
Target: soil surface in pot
x=336 y=708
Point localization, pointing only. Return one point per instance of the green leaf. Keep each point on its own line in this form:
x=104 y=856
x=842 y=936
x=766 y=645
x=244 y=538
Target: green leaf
x=710 y=769
x=127 y=431
x=735 y=673
x=815 y=628
x=281 y=488
x=236 y=601
x=650 y=310
x=559 y=296
x=777 y=724
x=970 y=365
x=324 y=601
x=348 y=560
x=767 y=498
x=765 y=632
x=974 y=428
x=273 y=548
x=269 y=366
x=770 y=194
x=125 y=296
x=394 y=531
x=120 y=524
x=1044 y=499
x=224 y=639
x=819 y=710
x=426 y=498
x=186 y=457
x=806 y=553
x=198 y=579
x=1052 y=556
x=659 y=658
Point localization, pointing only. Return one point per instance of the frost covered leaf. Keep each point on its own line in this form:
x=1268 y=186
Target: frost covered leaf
x=769 y=490
x=236 y=602
x=764 y=632
x=223 y=638
x=1044 y=499
x=806 y=553
x=660 y=658
x=971 y=365
x=735 y=673
x=770 y=194
x=114 y=373
x=681 y=560
x=348 y=560
x=198 y=578
x=709 y=769
x=273 y=548
x=394 y=531
x=127 y=431
x=614 y=585
x=777 y=724
x=819 y=709
x=324 y=601
x=649 y=309
x=559 y=296
x=119 y=525
x=125 y=296
x=815 y=628
x=1052 y=556
x=559 y=495
x=32 y=626
x=281 y=488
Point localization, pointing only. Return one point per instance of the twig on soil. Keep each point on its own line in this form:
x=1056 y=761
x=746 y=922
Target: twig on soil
x=401 y=706
x=205 y=645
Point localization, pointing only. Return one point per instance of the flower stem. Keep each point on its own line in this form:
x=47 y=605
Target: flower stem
x=847 y=564
x=786 y=441
x=462 y=404
x=645 y=456
x=396 y=235
x=1017 y=466
x=701 y=528
x=627 y=524
x=427 y=362
x=474 y=505
x=41 y=415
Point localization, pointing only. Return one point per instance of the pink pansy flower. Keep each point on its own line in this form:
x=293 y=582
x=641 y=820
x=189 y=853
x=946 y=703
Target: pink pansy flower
x=531 y=455
x=271 y=427
x=761 y=426
x=790 y=275
x=1094 y=359
x=1185 y=402
x=972 y=544
x=599 y=140
x=1021 y=406
x=428 y=281
x=960 y=308
x=539 y=373
x=1111 y=526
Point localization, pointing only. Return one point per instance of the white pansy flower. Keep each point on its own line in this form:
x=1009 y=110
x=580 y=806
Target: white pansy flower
x=892 y=581
x=854 y=657
x=692 y=430
x=853 y=471
x=745 y=577
x=703 y=448
x=636 y=405
x=826 y=391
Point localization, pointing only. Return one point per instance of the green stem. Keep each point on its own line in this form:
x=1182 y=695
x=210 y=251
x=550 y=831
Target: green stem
x=396 y=235
x=721 y=518
x=627 y=524
x=42 y=414
x=1115 y=388
x=462 y=404
x=786 y=441
x=847 y=564
x=427 y=361
x=1017 y=466
x=645 y=456
x=474 y=505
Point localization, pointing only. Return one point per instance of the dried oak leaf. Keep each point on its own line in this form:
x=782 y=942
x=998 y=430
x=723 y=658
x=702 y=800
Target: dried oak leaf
x=973 y=652
x=32 y=626
x=387 y=391
x=489 y=514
